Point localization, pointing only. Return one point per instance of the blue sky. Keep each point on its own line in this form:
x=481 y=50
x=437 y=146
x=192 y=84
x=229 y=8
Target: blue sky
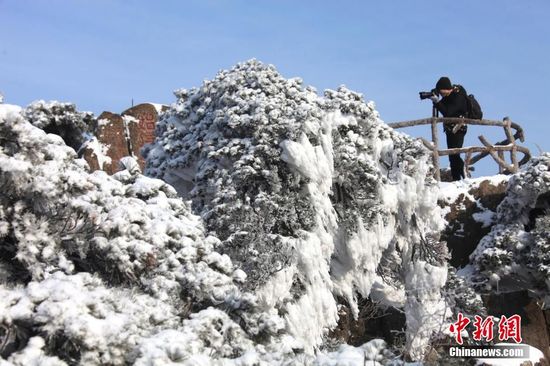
x=102 y=54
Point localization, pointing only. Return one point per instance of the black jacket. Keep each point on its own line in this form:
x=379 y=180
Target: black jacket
x=453 y=105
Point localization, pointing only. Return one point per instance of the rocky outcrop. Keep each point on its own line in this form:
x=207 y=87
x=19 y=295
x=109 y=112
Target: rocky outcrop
x=111 y=132
x=120 y=135
x=470 y=209
x=471 y=213
x=142 y=131
x=534 y=326
x=372 y=322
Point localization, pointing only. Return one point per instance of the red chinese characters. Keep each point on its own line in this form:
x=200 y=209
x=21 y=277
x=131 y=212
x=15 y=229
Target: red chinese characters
x=459 y=326
x=483 y=328
x=508 y=328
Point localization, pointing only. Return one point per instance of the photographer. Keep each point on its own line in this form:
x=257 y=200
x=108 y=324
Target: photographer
x=452 y=104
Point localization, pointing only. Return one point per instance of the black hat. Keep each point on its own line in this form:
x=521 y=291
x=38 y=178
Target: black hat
x=443 y=83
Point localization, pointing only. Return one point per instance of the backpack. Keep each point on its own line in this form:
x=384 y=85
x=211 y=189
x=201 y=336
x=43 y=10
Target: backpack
x=474 y=109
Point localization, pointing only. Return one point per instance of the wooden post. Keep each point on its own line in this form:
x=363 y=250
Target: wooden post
x=435 y=150
x=510 y=136
x=495 y=156
x=514 y=158
x=467 y=163
x=500 y=167
x=435 y=139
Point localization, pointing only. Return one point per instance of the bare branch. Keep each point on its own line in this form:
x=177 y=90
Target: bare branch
x=495 y=156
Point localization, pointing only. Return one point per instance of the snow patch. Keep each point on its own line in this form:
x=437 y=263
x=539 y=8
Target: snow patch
x=100 y=151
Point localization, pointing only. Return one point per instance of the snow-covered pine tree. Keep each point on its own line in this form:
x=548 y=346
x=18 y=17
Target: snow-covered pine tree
x=313 y=197
x=95 y=268
x=98 y=269
x=62 y=119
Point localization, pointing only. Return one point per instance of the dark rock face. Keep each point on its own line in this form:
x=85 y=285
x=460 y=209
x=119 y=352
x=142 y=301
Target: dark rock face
x=463 y=232
x=534 y=326
x=372 y=322
x=489 y=195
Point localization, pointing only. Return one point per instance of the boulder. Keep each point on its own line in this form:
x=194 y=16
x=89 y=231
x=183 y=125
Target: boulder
x=111 y=133
x=122 y=135
x=468 y=216
x=142 y=131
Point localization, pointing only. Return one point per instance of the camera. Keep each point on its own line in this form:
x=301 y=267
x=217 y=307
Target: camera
x=426 y=95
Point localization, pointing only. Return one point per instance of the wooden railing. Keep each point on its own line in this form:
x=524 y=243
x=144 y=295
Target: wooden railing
x=495 y=150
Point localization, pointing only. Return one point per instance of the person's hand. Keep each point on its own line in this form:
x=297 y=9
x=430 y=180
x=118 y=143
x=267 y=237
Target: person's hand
x=434 y=99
